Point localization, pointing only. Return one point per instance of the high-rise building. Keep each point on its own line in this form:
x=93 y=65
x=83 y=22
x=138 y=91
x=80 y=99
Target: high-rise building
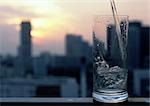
x=77 y=47
x=25 y=50
x=133 y=48
x=73 y=45
x=137 y=45
x=145 y=38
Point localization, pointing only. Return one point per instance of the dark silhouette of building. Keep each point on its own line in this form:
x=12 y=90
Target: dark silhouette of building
x=25 y=50
x=77 y=47
x=73 y=45
x=144 y=47
x=138 y=58
x=137 y=55
x=138 y=46
x=133 y=48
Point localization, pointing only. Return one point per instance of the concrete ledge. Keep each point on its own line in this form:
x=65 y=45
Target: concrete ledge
x=62 y=100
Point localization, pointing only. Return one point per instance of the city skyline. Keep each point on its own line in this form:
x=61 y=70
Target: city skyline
x=52 y=20
x=53 y=69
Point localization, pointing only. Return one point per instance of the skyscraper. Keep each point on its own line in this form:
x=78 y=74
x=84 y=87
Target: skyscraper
x=133 y=48
x=73 y=45
x=25 y=49
x=77 y=47
x=137 y=45
x=145 y=56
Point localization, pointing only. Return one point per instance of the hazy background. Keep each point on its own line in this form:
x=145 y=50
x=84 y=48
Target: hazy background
x=52 y=19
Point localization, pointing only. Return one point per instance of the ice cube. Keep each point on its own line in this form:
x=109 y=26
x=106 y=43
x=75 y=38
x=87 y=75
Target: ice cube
x=103 y=68
x=104 y=64
x=115 y=69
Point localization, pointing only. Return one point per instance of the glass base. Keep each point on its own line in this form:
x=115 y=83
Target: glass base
x=110 y=96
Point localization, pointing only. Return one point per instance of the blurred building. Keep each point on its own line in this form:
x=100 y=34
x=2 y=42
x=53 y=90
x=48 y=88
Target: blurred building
x=133 y=48
x=41 y=64
x=74 y=67
x=7 y=67
x=50 y=87
x=77 y=47
x=145 y=47
x=138 y=56
x=138 y=59
x=72 y=74
x=138 y=46
x=25 y=50
x=141 y=83
x=65 y=61
x=74 y=45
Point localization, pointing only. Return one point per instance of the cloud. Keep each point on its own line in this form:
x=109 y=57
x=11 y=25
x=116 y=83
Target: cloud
x=10 y=12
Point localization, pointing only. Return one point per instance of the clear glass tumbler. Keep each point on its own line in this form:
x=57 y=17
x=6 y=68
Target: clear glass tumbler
x=109 y=59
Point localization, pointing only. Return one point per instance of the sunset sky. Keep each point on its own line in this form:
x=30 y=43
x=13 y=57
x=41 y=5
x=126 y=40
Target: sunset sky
x=52 y=19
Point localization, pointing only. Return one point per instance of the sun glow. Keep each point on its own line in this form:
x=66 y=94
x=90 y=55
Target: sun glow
x=48 y=18
x=52 y=18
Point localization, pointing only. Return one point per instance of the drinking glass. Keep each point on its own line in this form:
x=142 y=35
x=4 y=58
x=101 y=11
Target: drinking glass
x=109 y=59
